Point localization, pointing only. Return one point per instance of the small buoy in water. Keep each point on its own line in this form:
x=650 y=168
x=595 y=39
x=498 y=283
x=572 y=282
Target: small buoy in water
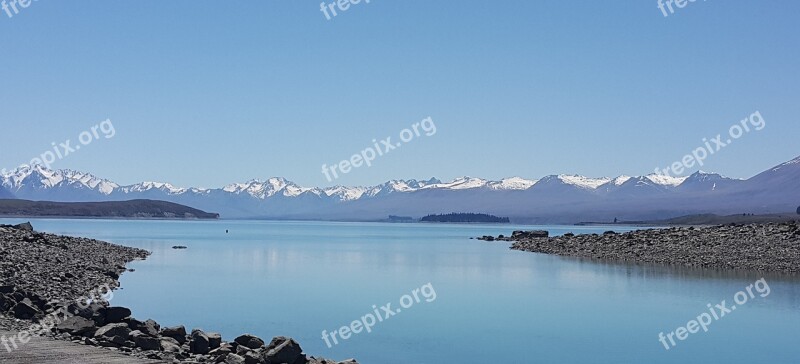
x=226 y=231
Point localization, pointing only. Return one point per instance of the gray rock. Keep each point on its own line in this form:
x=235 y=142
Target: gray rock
x=249 y=341
x=25 y=310
x=144 y=341
x=6 y=303
x=252 y=357
x=214 y=340
x=113 y=330
x=199 y=343
x=221 y=351
x=26 y=226
x=177 y=332
x=149 y=327
x=77 y=326
x=234 y=359
x=170 y=345
x=283 y=350
x=113 y=315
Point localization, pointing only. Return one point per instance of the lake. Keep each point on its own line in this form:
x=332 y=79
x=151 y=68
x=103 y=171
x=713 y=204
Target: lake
x=471 y=301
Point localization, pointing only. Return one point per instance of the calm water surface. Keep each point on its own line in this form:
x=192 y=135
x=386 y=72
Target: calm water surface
x=493 y=305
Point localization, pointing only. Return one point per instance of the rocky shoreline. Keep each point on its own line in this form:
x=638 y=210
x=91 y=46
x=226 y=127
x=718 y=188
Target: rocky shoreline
x=45 y=281
x=771 y=247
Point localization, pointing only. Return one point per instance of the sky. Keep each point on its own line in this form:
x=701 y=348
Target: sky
x=207 y=93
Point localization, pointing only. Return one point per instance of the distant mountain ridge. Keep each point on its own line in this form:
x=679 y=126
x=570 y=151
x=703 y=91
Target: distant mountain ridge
x=551 y=199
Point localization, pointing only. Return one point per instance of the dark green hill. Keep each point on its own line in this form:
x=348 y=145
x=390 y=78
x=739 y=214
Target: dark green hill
x=111 y=209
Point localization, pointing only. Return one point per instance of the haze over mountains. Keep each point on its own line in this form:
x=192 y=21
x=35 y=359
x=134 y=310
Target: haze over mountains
x=552 y=199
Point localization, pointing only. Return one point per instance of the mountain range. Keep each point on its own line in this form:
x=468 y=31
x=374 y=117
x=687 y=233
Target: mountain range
x=551 y=199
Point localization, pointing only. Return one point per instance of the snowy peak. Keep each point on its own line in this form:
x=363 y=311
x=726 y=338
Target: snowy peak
x=643 y=182
x=701 y=176
x=38 y=177
x=665 y=180
x=342 y=193
x=513 y=183
x=265 y=189
x=461 y=183
x=105 y=187
x=150 y=186
x=393 y=187
x=583 y=182
x=707 y=182
x=619 y=181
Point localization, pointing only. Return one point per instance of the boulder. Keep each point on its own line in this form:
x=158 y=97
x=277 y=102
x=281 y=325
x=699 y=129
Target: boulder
x=170 y=345
x=113 y=315
x=214 y=340
x=144 y=341
x=88 y=312
x=241 y=350
x=77 y=326
x=221 y=351
x=6 y=303
x=283 y=350
x=234 y=359
x=249 y=341
x=252 y=357
x=199 y=343
x=25 y=226
x=177 y=332
x=114 y=333
x=25 y=310
x=150 y=327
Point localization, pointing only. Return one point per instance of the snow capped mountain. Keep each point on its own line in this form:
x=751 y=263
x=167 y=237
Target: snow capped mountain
x=583 y=182
x=569 y=196
x=266 y=189
x=705 y=182
x=640 y=186
x=513 y=183
x=395 y=186
x=620 y=180
x=342 y=193
x=25 y=181
x=461 y=183
x=149 y=186
x=664 y=180
x=103 y=186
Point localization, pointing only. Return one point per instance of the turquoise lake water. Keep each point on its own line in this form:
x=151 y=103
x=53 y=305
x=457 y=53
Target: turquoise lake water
x=492 y=305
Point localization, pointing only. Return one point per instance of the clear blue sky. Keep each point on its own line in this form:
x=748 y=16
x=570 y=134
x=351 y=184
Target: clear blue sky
x=205 y=93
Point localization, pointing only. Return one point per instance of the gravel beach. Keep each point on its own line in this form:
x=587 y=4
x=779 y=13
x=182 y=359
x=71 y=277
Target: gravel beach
x=58 y=287
x=772 y=247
